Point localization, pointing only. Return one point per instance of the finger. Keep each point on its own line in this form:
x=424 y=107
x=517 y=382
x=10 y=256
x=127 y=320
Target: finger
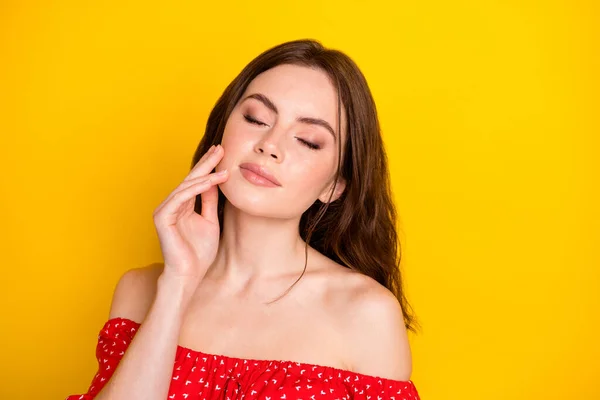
x=182 y=196
x=210 y=204
x=203 y=167
x=215 y=177
x=207 y=154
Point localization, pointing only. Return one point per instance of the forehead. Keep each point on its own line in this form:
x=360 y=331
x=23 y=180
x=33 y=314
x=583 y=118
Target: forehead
x=299 y=91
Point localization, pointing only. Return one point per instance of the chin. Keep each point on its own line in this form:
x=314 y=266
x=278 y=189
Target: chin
x=251 y=199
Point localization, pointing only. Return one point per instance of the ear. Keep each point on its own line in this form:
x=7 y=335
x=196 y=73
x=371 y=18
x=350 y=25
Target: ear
x=339 y=189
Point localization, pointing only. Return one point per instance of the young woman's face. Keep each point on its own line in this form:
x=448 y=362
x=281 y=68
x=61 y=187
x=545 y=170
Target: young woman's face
x=285 y=122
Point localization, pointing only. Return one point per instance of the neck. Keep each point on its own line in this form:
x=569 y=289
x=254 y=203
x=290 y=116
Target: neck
x=255 y=247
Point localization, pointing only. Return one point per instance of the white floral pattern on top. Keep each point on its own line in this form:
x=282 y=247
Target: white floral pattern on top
x=201 y=376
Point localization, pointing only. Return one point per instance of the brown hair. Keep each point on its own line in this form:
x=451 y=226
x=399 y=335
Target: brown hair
x=358 y=230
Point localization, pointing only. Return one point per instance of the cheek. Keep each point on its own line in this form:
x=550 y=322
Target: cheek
x=310 y=177
x=235 y=145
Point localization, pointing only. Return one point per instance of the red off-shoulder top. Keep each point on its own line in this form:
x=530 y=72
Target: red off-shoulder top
x=202 y=376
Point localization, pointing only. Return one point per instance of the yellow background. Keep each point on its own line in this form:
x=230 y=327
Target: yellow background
x=489 y=111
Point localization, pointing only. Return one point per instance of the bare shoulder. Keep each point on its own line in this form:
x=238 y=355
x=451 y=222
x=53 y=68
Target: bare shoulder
x=376 y=338
x=134 y=292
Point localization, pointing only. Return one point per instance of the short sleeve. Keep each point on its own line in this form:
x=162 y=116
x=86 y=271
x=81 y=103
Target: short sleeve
x=363 y=387
x=114 y=338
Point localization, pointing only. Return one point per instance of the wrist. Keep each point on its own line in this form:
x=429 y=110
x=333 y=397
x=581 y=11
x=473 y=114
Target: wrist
x=177 y=290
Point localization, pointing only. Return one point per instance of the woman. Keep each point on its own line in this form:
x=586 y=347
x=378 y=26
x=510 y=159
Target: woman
x=295 y=258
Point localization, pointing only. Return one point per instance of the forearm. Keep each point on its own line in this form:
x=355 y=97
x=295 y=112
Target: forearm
x=145 y=370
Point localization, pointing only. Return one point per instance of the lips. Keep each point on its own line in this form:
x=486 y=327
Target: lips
x=262 y=171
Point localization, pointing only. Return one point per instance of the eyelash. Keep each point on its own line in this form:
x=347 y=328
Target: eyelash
x=310 y=145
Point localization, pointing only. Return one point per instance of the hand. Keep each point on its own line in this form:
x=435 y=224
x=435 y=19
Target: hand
x=189 y=241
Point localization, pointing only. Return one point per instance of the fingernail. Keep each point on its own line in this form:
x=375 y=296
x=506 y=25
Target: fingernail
x=212 y=149
x=221 y=172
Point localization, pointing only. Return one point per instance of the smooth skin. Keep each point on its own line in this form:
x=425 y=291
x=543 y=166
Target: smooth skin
x=213 y=294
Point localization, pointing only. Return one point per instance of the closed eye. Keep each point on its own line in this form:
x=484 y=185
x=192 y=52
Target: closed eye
x=308 y=144
x=254 y=121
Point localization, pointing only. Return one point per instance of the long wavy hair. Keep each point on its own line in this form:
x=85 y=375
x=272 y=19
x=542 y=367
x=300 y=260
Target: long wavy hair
x=358 y=230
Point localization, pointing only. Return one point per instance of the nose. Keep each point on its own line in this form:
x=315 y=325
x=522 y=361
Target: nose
x=271 y=145
x=273 y=154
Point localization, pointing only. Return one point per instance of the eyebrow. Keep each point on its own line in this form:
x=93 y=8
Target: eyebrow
x=306 y=120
